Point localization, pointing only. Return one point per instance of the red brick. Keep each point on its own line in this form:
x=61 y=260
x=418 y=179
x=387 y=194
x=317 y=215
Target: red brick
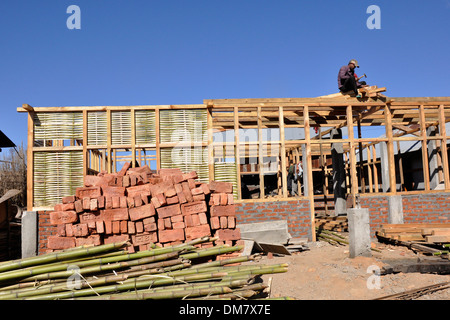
x=64 y=206
x=150 y=227
x=197 y=232
x=191 y=184
x=139 y=227
x=114 y=214
x=229 y=210
x=101 y=202
x=68 y=199
x=86 y=203
x=168 y=211
x=170 y=191
x=78 y=206
x=69 y=230
x=113 y=191
x=116 y=227
x=63 y=217
x=187 y=192
x=161 y=224
x=172 y=200
x=115 y=202
x=230 y=198
x=138 y=200
x=89 y=192
x=177 y=218
x=61 y=230
x=108 y=227
x=144 y=238
x=95 y=181
x=188 y=221
x=231 y=222
x=205 y=188
x=91 y=240
x=161 y=198
x=198 y=197
x=221 y=187
x=60 y=243
x=141 y=212
x=126 y=181
x=190 y=175
x=145 y=188
x=228 y=234
x=167 y=223
x=130 y=202
x=100 y=226
x=131 y=227
x=193 y=207
x=123 y=202
x=223 y=222
x=179 y=189
x=93 y=204
x=223 y=199
x=116 y=238
x=178 y=225
x=90 y=216
x=108 y=202
x=171 y=235
x=214 y=199
x=149 y=220
x=124 y=169
x=80 y=230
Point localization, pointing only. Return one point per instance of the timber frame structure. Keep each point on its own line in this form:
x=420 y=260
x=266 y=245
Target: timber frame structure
x=77 y=141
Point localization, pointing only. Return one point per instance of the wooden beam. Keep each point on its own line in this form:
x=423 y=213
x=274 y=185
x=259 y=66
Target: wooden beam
x=133 y=139
x=107 y=155
x=444 y=155
x=85 y=152
x=260 y=155
x=210 y=143
x=30 y=163
x=390 y=148
x=283 y=152
x=309 y=174
x=423 y=133
x=158 y=140
x=352 y=155
x=237 y=155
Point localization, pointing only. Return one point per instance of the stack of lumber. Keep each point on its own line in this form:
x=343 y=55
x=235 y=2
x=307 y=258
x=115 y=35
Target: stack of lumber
x=366 y=92
x=110 y=272
x=164 y=208
x=418 y=232
x=338 y=223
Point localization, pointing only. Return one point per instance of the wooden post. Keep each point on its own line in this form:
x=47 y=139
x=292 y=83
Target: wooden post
x=30 y=162
x=390 y=148
x=158 y=140
x=108 y=142
x=352 y=155
x=237 y=155
x=260 y=155
x=133 y=138
x=310 y=172
x=283 y=152
x=361 y=159
x=85 y=152
x=423 y=131
x=375 y=169
x=210 y=143
x=443 y=134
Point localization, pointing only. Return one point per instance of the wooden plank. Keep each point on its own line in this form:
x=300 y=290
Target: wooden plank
x=438 y=239
x=210 y=144
x=30 y=162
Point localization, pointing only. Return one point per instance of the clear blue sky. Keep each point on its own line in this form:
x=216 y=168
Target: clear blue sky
x=180 y=52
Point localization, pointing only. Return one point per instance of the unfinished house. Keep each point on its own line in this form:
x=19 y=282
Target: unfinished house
x=353 y=152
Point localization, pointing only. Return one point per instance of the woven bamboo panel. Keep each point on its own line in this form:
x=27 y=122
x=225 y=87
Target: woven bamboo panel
x=58 y=125
x=97 y=134
x=187 y=159
x=226 y=172
x=120 y=127
x=145 y=126
x=56 y=175
x=183 y=125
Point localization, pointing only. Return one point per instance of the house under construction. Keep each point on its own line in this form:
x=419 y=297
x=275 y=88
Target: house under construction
x=354 y=152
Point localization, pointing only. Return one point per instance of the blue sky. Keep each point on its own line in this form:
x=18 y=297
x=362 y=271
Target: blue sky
x=179 y=52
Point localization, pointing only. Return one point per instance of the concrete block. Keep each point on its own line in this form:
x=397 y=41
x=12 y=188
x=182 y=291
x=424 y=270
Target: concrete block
x=29 y=234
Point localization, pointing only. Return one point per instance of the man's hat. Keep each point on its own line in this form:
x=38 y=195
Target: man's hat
x=354 y=62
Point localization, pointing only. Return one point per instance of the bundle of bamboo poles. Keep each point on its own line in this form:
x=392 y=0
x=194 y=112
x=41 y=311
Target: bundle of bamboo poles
x=334 y=238
x=109 y=272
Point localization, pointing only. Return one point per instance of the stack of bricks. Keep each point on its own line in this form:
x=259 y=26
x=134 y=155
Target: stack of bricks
x=145 y=208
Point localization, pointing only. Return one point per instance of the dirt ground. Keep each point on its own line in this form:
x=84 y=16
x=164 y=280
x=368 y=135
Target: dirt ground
x=326 y=272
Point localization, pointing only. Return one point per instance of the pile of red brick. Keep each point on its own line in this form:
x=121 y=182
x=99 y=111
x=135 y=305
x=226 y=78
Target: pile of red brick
x=137 y=205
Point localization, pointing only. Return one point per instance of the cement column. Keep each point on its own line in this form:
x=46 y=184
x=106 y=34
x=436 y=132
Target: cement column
x=384 y=158
x=337 y=153
x=432 y=158
x=395 y=209
x=359 y=232
x=29 y=234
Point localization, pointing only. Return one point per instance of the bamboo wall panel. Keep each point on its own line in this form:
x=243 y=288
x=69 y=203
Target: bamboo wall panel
x=145 y=126
x=97 y=134
x=58 y=125
x=56 y=175
x=120 y=127
x=226 y=172
x=183 y=125
x=187 y=160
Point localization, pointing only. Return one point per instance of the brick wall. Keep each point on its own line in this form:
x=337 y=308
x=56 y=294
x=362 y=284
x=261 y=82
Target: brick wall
x=45 y=230
x=426 y=208
x=296 y=212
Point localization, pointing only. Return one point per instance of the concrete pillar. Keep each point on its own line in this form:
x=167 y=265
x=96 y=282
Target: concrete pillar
x=337 y=153
x=384 y=158
x=395 y=209
x=432 y=158
x=359 y=232
x=306 y=171
x=29 y=234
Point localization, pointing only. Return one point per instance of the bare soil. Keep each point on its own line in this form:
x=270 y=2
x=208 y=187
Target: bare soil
x=326 y=272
